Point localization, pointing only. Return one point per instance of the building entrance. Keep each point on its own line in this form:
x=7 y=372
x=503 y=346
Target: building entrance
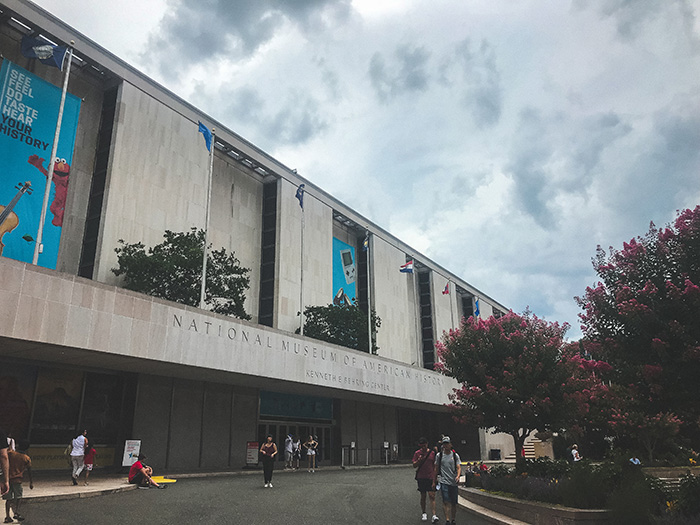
x=280 y=429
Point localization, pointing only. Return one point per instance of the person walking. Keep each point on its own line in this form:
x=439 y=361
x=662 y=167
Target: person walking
x=89 y=461
x=4 y=464
x=296 y=453
x=448 y=470
x=424 y=463
x=268 y=451
x=310 y=446
x=288 y=451
x=19 y=464
x=77 y=455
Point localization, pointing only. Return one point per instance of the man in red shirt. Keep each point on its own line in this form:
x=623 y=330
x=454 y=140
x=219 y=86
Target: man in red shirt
x=140 y=474
x=424 y=463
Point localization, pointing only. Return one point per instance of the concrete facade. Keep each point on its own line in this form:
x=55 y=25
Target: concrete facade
x=189 y=383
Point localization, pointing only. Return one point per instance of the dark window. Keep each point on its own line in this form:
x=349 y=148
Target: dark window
x=426 y=319
x=268 y=254
x=97 y=186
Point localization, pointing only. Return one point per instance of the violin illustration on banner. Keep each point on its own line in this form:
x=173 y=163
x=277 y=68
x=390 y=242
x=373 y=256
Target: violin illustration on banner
x=8 y=218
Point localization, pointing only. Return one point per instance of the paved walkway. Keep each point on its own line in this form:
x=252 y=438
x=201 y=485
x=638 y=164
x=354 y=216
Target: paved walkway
x=54 y=486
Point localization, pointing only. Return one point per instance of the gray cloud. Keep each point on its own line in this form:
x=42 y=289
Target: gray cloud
x=193 y=30
x=295 y=119
x=558 y=155
x=407 y=73
x=661 y=167
x=632 y=17
x=528 y=167
x=473 y=71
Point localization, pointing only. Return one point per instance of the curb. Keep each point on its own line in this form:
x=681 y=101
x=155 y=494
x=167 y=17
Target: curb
x=76 y=495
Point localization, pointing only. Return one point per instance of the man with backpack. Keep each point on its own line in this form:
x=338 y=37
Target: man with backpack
x=448 y=470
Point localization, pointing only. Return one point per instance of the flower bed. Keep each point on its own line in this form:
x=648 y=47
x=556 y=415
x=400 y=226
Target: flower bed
x=536 y=513
x=626 y=491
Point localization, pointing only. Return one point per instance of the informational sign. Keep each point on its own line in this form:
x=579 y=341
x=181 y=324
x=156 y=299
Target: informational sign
x=28 y=116
x=344 y=273
x=132 y=447
x=251 y=453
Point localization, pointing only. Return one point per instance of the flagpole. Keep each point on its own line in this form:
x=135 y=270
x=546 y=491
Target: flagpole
x=301 y=287
x=202 y=293
x=38 y=245
x=369 y=296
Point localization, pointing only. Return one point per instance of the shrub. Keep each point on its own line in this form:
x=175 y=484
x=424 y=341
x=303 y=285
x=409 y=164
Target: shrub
x=689 y=496
x=547 y=468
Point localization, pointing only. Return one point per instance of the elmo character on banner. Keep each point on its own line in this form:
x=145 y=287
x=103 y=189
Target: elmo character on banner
x=61 y=172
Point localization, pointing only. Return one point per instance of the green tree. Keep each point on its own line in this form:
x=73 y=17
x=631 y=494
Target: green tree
x=517 y=376
x=345 y=325
x=172 y=270
x=643 y=317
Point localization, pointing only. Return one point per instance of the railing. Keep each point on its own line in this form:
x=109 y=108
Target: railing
x=352 y=456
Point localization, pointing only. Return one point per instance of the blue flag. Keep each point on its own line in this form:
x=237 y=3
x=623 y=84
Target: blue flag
x=300 y=195
x=46 y=53
x=207 y=135
x=476 y=308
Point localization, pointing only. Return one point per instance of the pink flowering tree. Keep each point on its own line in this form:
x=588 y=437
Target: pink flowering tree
x=644 y=318
x=517 y=376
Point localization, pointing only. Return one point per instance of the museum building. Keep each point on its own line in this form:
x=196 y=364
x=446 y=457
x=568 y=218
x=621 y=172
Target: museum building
x=196 y=388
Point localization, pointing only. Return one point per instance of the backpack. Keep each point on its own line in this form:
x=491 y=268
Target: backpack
x=454 y=457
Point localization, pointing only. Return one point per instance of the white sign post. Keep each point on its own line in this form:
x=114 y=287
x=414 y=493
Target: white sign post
x=132 y=447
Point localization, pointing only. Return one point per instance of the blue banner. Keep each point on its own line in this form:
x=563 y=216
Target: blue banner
x=344 y=273
x=28 y=115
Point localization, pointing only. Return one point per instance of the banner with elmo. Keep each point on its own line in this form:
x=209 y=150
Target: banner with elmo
x=28 y=115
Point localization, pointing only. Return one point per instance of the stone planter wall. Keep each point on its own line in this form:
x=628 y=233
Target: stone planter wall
x=536 y=513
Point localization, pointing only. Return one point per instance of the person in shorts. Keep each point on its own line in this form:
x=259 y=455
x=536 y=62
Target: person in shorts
x=89 y=461
x=140 y=474
x=310 y=445
x=424 y=463
x=19 y=464
x=448 y=470
x=296 y=453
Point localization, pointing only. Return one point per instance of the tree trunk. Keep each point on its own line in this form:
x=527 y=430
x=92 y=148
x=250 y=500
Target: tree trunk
x=519 y=440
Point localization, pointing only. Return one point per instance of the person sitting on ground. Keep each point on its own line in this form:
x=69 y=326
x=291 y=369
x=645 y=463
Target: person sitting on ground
x=141 y=475
x=19 y=464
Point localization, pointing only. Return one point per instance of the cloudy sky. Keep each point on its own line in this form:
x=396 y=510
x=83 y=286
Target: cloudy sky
x=504 y=139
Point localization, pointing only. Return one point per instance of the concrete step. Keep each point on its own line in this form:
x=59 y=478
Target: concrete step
x=671 y=484
x=529 y=448
x=485 y=514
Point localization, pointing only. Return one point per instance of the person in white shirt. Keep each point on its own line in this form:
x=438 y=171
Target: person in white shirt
x=77 y=454
x=575 y=456
x=288 y=451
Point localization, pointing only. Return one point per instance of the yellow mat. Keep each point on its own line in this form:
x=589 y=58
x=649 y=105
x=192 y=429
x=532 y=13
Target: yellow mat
x=162 y=479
